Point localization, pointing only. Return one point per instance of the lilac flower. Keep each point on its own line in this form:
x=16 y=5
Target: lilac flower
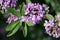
x=8 y=3
x=1 y=2
x=45 y=7
x=5 y=4
x=12 y=18
x=24 y=18
x=52 y=28
x=13 y=2
x=34 y=13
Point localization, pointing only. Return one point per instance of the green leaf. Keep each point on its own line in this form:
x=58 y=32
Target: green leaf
x=56 y=5
x=28 y=1
x=29 y=23
x=17 y=27
x=22 y=10
x=53 y=5
x=2 y=11
x=11 y=26
x=25 y=30
x=49 y=16
x=13 y=11
x=47 y=1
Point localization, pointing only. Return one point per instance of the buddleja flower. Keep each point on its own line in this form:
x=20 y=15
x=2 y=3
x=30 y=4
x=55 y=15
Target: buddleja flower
x=8 y=3
x=52 y=27
x=12 y=18
x=13 y=2
x=34 y=12
x=1 y=2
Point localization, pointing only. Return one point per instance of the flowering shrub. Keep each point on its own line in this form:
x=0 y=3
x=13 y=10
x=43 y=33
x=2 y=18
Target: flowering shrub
x=30 y=14
x=34 y=13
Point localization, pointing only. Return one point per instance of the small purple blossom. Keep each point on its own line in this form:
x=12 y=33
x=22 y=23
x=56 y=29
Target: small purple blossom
x=5 y=4
x=52 y=28
x=8 y=3
x=34 y=13
x=45 y=8
x=1 y=2
x=13 y=3
x=12 y=18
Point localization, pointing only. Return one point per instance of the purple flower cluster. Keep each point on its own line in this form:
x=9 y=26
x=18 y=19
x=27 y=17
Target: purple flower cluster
x=1 y=2
x=12 y=18
x=34 y=12
x=52 y=27
x=8 y=3
x=13 y=2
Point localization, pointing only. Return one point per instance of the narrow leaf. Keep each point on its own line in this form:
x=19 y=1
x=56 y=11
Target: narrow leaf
x=25 y=30
x=15 y=30
x=28 y=1
x=2 y=11
x=11 y=26
x=22 y=9
x=47 y=1
x=13 y=11
x=53 y=5
x=49 y=16
x=29 y=23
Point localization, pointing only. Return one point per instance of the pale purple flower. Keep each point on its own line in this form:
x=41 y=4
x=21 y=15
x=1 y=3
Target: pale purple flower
x=45 y=8
x=34 y=12
x=46 y=23
x=12 y=18
x=5 y=4
x=24 y=18
x=13 y=3
x=8 y=3
x=1 y=2
x=52 y=28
